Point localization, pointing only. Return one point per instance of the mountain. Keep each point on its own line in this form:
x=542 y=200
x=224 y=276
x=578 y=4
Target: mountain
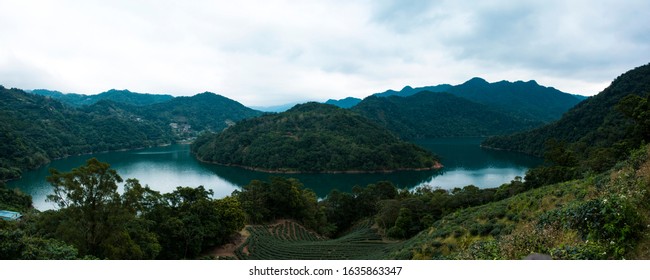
x=36 y=129
x=408 y=91
x=346 y=103
x=600 y=130
x=439 y=114
x=122 y=96
x=527 y=100
x=204 y=111
x=311 y=137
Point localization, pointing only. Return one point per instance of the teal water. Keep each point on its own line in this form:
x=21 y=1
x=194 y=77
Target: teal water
x=165 y=168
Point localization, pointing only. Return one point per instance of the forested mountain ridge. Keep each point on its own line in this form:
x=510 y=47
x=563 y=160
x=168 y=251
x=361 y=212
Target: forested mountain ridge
x=524 y=100
x=408 y=90
x=599 y=130
x=311 y=137
x=36 y=129
x=121 y=96
x=439 y=114
x=204 y=111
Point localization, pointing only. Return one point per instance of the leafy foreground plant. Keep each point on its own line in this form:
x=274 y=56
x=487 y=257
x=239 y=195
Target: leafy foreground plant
x=602 y=217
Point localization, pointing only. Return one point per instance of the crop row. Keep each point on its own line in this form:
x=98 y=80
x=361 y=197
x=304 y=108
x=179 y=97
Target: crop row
x=292 y=241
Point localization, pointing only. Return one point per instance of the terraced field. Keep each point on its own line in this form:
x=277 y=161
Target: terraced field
x=290 y=240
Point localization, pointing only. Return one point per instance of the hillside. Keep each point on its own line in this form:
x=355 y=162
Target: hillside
x=600 y=130
x=311 y=137
x=204 y=111
x=526 y=100
x=36 y=129
x=603 y=216
x=429 y=114
x=121 y=96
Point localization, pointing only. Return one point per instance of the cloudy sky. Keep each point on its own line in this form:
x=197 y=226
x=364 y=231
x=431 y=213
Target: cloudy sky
x=274 y=52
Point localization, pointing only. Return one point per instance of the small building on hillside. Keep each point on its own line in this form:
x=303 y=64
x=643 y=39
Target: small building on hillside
x=9 y=215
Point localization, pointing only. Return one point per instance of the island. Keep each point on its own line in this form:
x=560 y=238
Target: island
x=312 y=138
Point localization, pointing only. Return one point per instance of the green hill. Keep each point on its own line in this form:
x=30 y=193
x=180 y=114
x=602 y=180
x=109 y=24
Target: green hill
x=36 y=129
x=603 y=216
x=438 y=114
x=525 y=100
x=311 y=137
x=204 y=111
x=121 y=96
x=600 y=130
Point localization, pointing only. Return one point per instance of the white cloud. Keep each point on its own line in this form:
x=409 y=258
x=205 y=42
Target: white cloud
x=273 y=52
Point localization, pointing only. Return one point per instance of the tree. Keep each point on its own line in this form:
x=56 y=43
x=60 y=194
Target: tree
x=188 y=221
x=96 y=219
x=86 y=195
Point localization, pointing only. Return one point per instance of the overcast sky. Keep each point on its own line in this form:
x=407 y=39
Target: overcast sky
x=274 y=52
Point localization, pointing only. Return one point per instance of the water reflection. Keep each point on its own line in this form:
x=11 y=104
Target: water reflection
x=165 y=168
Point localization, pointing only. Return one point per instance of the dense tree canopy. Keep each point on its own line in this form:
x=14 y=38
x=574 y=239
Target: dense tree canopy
x=596 y=133
x=311 y=138
x=35 y=129
x=438 y=114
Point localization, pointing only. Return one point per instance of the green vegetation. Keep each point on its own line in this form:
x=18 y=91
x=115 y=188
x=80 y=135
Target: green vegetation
x=428 y=114
x=282 y=198
x=590 y=201
x=36 y=129
x=95 y=221
x=120 y=96
x=311 y=137
x=202 y=112
x=600 y=217
x=522 y=100
x=290 y=241
x=593 y=136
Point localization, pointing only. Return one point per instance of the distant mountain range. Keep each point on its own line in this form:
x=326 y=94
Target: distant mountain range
x=45 y=124
x=345 y=103
x=525 y=100
x=122 y=96
x=439 y=114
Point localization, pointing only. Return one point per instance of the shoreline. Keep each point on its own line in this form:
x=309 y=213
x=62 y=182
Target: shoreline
x=436 y=166
x=182 y=142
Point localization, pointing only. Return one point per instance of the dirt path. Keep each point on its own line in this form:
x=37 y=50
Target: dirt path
x=228 y=249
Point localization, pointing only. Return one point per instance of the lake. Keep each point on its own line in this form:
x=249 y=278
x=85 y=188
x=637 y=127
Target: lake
x=165 y=168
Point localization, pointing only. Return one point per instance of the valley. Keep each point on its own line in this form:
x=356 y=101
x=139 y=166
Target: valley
x=587 y=200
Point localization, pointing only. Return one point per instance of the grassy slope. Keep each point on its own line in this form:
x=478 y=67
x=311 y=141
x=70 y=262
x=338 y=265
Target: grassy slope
x=601 y=217
x=604 y=216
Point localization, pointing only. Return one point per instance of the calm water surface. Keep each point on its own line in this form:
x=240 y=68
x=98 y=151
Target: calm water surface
x=165 y=168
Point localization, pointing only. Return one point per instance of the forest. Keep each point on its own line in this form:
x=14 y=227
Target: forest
x=439 y=114
x=311 y=137
x=591 y=137
x=590 y=200
x=35 y=129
